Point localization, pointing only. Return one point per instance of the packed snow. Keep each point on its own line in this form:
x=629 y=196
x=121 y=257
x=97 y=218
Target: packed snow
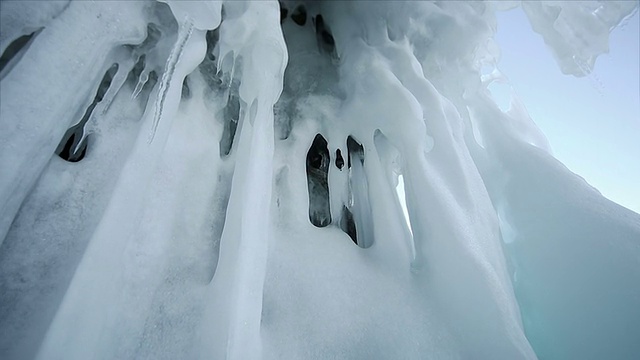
x=298 y=180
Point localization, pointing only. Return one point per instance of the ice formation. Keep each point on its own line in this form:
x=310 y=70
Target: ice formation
x=217 y=180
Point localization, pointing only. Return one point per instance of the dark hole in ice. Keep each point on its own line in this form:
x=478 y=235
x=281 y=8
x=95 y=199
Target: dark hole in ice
x=348 y=225
x=299 y=15
x=283 y=12
x=73 y=146
x=14 y=49
x=153 y=79
x=73 y=152
x=317 y=180
x=325 y=39
x=355 y=150
x=208 y=67
x=231 y=117
x=316 y=158
x=339 y=159
x=212 y=38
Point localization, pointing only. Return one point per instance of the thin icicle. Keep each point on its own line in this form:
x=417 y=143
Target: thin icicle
x=116 y=85
x=186 y=29
x=142 y=81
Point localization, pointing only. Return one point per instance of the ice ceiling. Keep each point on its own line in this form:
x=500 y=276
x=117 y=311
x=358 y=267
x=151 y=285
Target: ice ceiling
x=217 y=180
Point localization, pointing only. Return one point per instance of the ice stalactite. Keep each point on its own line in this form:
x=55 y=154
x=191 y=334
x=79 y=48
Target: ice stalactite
x=186 y=30
x=359 y=189
x=232 y=326
x=141 y=72
x=230 y=186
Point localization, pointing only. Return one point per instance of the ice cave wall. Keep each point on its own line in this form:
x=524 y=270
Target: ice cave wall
x=217 y=180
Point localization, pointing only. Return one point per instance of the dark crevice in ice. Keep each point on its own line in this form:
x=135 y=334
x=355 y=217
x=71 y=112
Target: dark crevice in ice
x=73 y=146
x=339 y=159
x=317 y=180
x=283 y=12
x=212 y=37
x=208 y=67
x=231 y=117
x=324 y=36
x=355 y=150
x=73 y=152
x=299 y=15
x=348 y=225
x=16 y=49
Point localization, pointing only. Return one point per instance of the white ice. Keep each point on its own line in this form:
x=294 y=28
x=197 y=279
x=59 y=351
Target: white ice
x=186 y=227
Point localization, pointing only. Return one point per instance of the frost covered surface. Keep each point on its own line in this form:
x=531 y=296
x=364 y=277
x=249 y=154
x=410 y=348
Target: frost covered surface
x=189 y=179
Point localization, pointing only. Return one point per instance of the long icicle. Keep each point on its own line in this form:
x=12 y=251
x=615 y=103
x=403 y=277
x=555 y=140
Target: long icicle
x=186 y=29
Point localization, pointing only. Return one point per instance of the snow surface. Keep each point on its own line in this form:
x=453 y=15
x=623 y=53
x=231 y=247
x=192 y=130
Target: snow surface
x=179 y=207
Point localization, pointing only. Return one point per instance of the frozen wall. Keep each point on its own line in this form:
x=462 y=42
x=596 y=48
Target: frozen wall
x=188 y=179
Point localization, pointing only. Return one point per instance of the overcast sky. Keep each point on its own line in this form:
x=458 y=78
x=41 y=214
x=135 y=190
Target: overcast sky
x=592 y=123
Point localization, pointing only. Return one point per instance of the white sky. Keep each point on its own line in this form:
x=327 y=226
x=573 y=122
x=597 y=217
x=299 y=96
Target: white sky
x=592 y=123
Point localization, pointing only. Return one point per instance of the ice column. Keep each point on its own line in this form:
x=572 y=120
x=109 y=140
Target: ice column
x=251 y=34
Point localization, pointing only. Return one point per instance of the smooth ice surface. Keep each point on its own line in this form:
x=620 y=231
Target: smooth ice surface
x=204 y=219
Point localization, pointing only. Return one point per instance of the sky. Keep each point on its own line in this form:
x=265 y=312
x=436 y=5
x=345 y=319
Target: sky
x=593 y=122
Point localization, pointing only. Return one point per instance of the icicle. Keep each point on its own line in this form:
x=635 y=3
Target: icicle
x=116 y=84
x=186 y=29
x=142 y=81
x=102 y=106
